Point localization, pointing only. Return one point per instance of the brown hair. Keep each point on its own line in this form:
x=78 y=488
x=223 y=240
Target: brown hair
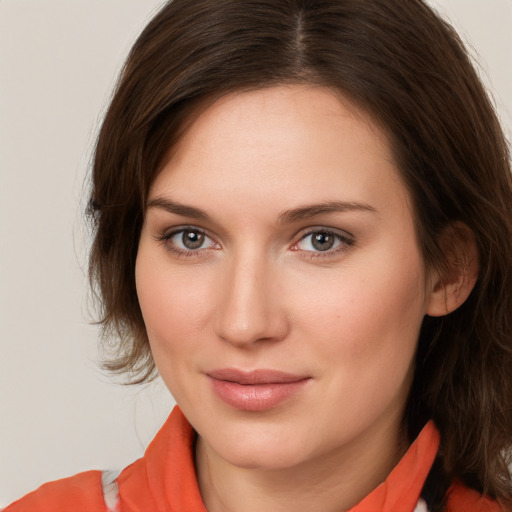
x=397 y=60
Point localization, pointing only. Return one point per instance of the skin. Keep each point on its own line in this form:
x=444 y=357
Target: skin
x=259 y=294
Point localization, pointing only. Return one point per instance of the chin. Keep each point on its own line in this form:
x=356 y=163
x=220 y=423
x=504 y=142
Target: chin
x=269 y=459
x=265 y=450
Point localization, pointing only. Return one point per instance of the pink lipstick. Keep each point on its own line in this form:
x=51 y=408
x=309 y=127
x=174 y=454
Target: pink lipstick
x=257 y=390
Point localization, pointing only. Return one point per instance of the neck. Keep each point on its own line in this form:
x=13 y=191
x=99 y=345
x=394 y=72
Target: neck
x=332 y=482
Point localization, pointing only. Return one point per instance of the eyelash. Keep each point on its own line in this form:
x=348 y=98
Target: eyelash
x=166 y=240
x=345 y=241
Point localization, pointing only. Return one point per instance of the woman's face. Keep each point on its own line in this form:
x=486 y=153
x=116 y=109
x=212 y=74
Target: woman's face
x=280 y=279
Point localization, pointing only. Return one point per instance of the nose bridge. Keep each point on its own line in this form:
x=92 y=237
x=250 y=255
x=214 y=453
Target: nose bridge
x=250 y=309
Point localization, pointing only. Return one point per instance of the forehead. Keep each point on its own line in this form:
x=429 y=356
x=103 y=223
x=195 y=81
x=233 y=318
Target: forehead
x=282 y=145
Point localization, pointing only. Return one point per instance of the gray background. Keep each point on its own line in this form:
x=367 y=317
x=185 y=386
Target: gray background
x=58 y=61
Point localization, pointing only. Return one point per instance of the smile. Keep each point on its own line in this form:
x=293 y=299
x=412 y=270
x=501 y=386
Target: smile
x=256 y=391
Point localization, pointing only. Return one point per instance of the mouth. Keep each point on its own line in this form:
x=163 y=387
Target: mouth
x=257 y=390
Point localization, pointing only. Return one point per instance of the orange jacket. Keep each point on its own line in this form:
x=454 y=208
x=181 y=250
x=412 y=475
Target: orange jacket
x=164 y=481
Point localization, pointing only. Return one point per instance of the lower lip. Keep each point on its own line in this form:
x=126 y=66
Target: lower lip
x=256 y=397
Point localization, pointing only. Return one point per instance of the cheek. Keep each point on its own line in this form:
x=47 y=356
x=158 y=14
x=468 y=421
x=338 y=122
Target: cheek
x=367 y=315
x=174 y=308
x=174 y=304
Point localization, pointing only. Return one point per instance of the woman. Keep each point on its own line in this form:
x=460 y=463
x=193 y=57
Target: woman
x=303 y=218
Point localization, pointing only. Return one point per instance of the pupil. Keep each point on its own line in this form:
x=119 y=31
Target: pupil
x=193 y=239
x=323 y=241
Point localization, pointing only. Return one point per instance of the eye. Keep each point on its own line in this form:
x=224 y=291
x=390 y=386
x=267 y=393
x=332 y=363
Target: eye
x=188 y=240
x=323 y=241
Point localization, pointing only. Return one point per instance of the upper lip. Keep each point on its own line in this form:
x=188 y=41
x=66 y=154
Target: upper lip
x=259 y=376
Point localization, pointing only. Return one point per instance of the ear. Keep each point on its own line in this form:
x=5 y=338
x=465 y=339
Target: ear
x=450 y=287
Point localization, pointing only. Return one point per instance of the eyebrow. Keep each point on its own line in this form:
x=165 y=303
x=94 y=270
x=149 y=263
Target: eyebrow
x=177 y=208
x=314 y=210
x=285 y=217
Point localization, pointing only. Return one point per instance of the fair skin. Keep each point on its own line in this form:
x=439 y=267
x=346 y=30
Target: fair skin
x=279 y=236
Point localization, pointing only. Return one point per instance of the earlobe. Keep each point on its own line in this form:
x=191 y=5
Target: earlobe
x=451 y=287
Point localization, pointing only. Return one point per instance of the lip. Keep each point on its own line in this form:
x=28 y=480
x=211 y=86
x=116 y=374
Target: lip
x=256 y=390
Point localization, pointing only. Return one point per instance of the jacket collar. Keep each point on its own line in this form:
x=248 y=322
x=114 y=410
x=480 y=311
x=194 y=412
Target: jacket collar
x=164 y=480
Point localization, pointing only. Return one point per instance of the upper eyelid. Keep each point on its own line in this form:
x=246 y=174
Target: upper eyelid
x=323 y=229
x=168 y=233
x=165 y=239
x=345 y=237
x=165 y=235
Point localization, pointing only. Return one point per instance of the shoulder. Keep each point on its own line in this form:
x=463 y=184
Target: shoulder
x=80 y=492
x=463 y=499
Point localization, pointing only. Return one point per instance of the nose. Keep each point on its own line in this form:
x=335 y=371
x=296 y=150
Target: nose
x=251 y=305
